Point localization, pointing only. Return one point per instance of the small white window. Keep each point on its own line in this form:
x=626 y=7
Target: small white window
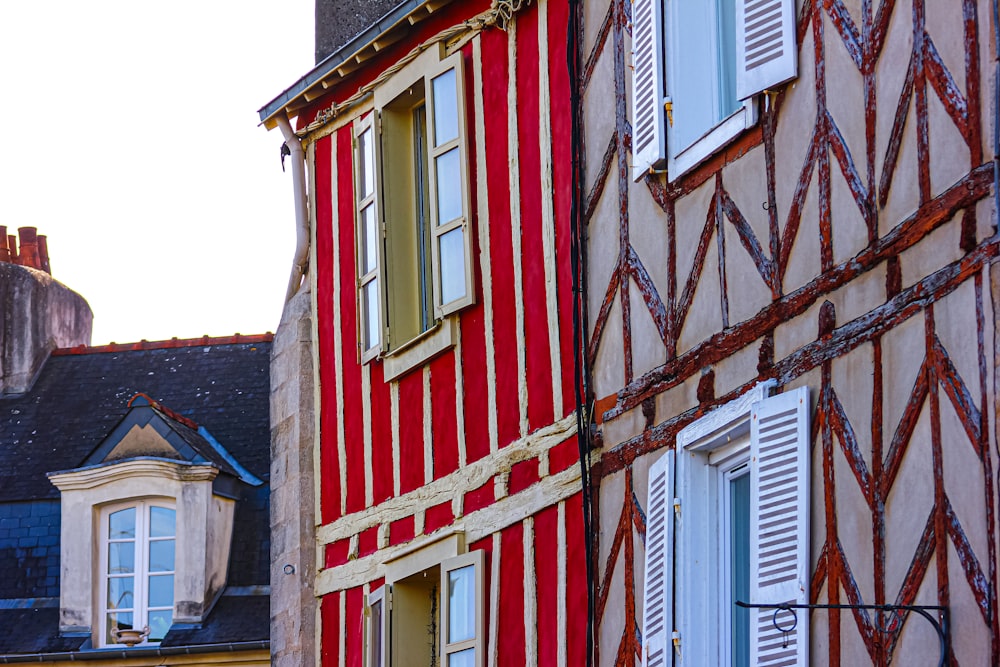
x=412 y=205
x=739 y=524
x=137 y=566
x=697 y=66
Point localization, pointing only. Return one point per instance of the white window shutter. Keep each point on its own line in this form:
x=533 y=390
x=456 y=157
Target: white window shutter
x=649 y=132
x=658 y=582
x=779 y=530
x=766 y=55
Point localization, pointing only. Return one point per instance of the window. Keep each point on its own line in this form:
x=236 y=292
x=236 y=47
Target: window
x=697 y=66
x=412 y=205
x=137 y=562
x=432 y=616
x=736 y=530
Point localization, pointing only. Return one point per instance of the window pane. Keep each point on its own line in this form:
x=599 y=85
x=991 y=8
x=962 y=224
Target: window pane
x=369 y=240
x=121 y=524
x=121 y=557
x=449 y=186
x=366 y=163
x=694 y=74
x=466 y=658
x=117 y=622
x=162 y=522
x=121 y=593
x=452 y=254
x=445 y=108
x=161 y=590
x=161 y=556
x=739 y=511
x=461 y=604
x=159 y=623
x=377 y=634
x=370 y=296
x=726 y=17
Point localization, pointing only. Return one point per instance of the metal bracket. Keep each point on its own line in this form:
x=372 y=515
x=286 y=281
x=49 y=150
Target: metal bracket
x=881 y=622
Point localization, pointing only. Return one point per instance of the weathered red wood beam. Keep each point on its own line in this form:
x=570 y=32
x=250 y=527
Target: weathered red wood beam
x=966 y=192
x=595 y=53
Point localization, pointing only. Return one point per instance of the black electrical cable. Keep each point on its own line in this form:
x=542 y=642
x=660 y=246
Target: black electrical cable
x=580 y=365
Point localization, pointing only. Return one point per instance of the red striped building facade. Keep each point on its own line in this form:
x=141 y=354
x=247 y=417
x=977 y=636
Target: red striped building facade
x=458 y=439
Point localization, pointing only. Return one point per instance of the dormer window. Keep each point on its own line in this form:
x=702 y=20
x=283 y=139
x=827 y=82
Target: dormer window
x=138 y=562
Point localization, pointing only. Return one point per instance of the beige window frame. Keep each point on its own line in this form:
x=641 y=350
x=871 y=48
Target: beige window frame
x=419 y=212
x=370 y=236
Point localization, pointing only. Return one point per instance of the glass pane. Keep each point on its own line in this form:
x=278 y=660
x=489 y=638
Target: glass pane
x=466 y=658
x=377 y=634
x=461 y=604
x=121 y=557
x=161 y=556
x=726 y=17
x=121 y=593
x=117 y=622
x=445 y=108
x=370 y=296
x=121 y=524
x=739 y=512
x=694 y=74
x=369 y=240
x=452 y=255
x=449 y=186
x=366 y=163
x=161 y=590
x=159 y=623
x=162 y=522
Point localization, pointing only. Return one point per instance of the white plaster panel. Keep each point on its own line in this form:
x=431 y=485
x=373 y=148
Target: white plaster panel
x=918 y=643
x=598 y=116
x=746 y=292
x=792 y=334
x=908 y=506
x=964 y=480
x=854 y=385
x=746 y=182
x=852 y=647
x=956 y=327
x=690 y=213
x=850 y=233
x=950 y=156
x=737 y=369
x=935 y=251
x=986 y=223
x=613 y=620
x=945 y=27
x=970 y=637
x=845 y=98
x=795 y=128
x=612 y=492
x=819 y=629
x=622 y=428
x=594 y=14
x=648 y=234
x=602 y=248
x=704 y=317
x=903 y=351
x=804 y=258
x=648 y=351
x=609 y=365
x=860 y=296
x=854 y=524
x=677 y=400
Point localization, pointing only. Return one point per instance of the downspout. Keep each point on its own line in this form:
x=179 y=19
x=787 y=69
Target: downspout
x=297 y=155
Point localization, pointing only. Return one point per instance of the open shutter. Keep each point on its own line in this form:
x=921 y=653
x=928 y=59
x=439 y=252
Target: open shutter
x=649 y=132
x=658 y=582
x=451 y=237
x=369 y=253
x=765 y=45
x=779 y=530
x=462 y=610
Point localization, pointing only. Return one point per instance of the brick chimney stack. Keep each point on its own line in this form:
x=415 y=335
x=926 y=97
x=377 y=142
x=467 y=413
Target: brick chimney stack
x=4 y=250
x=28 y=248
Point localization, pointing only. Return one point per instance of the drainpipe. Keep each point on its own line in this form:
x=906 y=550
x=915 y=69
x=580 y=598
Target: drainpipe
x=301 y=216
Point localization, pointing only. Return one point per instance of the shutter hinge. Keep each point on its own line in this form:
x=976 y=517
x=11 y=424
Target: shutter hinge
x=676 y=638
x=668 y=106
x=677 y=506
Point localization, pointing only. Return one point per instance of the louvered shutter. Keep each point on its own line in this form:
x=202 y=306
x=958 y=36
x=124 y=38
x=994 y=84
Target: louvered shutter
x=779 y=526
x=649 y=132
x=765 y=45
x=658 y=588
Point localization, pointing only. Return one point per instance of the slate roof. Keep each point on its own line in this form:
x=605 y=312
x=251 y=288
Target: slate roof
x=79 y=397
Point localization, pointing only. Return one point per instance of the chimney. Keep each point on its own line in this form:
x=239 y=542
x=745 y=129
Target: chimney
x=12 y=247
x=4 y=250
x=43 y=254
x=29 y=247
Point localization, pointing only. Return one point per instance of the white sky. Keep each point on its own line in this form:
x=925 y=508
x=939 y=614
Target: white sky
x=128 y=136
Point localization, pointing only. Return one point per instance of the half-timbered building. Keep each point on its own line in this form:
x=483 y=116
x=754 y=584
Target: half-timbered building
x=789 y=211
x=439 y=485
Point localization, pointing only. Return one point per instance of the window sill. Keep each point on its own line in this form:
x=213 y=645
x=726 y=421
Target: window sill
x=421 y=349
x=713 y=140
